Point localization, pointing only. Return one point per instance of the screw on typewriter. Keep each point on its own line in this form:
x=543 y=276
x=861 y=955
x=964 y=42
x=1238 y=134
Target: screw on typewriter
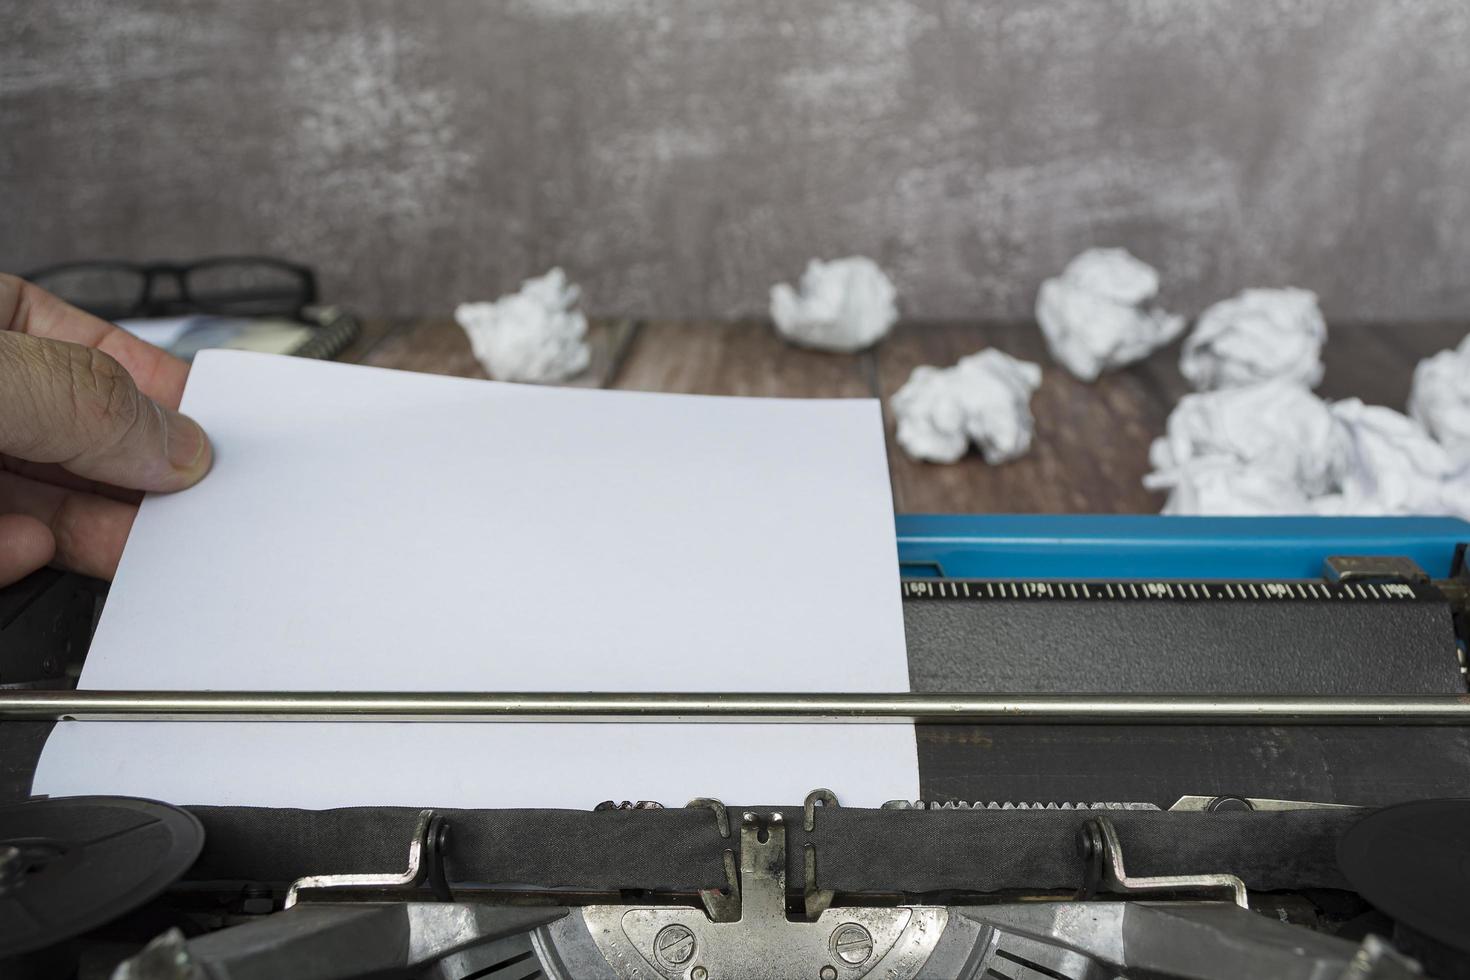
x=746 y=930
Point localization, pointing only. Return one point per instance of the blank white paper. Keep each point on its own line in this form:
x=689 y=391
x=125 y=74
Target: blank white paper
x=366 y=529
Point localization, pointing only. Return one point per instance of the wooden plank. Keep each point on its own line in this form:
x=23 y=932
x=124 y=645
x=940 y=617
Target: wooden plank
x=439 y=346
x=1091 y=447
x=737 y=359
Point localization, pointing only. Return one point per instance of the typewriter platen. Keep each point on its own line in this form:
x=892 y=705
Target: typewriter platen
x=1178 y=748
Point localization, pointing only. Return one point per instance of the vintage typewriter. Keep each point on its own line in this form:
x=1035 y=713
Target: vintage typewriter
x=1149 y=748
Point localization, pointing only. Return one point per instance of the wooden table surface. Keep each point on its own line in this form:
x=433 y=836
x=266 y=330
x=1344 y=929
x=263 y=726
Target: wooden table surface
x=1091 y=447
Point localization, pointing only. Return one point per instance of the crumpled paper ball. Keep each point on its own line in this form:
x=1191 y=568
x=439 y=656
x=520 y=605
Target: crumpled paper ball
x=844 y=305
x=530 y=335
x=1394 y=466
x=1440 y=399
x=1277 y=425
x=1276 y=448
x=985 y=399
x=1093 y=314
x=1256 y=336
x=1454 y=495
x=1225 y=488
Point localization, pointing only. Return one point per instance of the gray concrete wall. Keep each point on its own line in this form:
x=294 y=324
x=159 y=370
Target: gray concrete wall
x=679 y=156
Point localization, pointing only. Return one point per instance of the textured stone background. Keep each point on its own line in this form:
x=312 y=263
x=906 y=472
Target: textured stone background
x=679 y=157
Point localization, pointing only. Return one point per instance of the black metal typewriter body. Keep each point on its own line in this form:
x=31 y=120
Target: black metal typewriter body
x=1148 y=748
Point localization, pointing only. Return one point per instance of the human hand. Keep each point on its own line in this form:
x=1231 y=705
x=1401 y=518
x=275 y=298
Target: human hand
x=88 y=419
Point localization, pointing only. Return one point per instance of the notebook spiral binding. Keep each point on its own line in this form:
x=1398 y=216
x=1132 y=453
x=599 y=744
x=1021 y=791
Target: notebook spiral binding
x=336 y=329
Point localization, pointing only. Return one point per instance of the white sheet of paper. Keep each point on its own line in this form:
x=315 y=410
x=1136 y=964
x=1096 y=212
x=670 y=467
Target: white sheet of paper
x=366 y=529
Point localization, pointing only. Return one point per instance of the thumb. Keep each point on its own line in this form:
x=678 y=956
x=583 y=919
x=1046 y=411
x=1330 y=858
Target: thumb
x=76 y=406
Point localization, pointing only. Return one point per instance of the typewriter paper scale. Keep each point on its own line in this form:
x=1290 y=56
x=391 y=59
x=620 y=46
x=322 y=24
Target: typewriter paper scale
x=366 y=529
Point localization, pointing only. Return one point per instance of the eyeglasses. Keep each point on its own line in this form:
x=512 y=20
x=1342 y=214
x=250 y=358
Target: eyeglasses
x=247 y=286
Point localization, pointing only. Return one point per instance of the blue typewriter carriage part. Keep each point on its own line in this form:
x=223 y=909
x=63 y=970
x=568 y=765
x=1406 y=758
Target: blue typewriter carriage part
x=1032 y=546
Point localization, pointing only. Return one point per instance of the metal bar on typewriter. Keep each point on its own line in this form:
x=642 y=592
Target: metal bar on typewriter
x=970 y=709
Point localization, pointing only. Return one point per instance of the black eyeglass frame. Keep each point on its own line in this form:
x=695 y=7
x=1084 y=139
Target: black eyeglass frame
x=148 y=304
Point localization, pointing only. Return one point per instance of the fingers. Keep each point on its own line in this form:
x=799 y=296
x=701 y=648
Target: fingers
x=54 y=474
x=26 y=544
x=29 y=309
x=80 y=394
x=42 y=524
x=76 y=406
